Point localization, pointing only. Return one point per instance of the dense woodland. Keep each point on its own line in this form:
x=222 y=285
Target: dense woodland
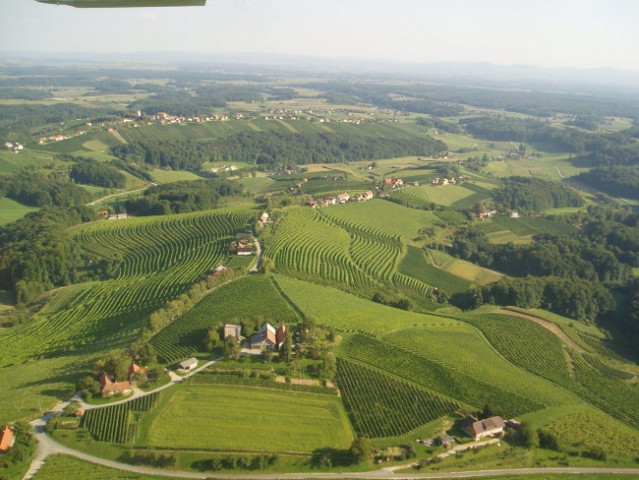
x=616 y=181
x=573 y=275
x=182 y=197
x=36 y=189
x=271 y=150
x=36 y=252
x=92 y=172
x=528 y=194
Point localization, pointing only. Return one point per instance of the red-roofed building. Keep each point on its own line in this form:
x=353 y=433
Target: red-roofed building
x=109 y=388
x=7 y=439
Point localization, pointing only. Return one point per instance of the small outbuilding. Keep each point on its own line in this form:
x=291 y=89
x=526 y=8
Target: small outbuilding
x=188 y=364
x=7 y=439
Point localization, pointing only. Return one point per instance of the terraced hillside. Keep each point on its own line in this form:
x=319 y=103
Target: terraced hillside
x=344 y=251
x=160 y=258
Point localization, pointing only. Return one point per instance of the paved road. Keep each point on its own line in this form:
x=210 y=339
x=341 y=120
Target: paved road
x=47 y=446
x=117 y=195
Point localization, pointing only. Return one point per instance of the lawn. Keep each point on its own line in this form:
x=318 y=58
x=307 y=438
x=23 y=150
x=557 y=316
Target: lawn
x=10 y=210
x=466 y=270
x=245 y=419
x=416 y=264
x=166 y=176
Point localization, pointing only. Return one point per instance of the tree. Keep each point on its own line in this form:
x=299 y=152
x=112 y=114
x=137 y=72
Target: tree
x=232 y=348
x=118 y=367
x=360 y=450
x=89 y=385
x=286 y=350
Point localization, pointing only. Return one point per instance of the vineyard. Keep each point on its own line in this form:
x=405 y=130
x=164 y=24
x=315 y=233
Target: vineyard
x=435 y=377
x=160 y=259
x=326 y=249
x=247 y=297
x=113 y=423
x=539 y=351
x=382 y=406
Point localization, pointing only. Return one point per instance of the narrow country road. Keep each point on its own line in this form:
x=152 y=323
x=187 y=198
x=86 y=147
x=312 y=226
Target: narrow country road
x=117 y=195
x=256 y=267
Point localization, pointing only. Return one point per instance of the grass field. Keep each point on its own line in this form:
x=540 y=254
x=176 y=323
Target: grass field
x=466 y=270
x=10 y=210
x=166 y=176
x=214 y=417
x=416 y=264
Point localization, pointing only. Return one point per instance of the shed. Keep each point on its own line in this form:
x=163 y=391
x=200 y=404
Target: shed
x=188 y=364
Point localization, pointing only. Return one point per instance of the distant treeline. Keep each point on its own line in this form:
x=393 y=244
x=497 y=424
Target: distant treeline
x=36 y=252
x=33 y=188
x=615 y=181
x=270 y=150
x=19 y=93
x=525 y=194
x=182 y=197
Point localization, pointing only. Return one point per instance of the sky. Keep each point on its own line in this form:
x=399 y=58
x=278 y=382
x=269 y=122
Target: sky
x=546 y=33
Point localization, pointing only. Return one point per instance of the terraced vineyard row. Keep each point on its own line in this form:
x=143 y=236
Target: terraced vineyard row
x=383 y=406
x=410 y=366
x=112 y=424
x=259 y=297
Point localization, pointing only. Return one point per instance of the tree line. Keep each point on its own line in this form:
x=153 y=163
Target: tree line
x=92 y=172
x=617 y=181
x=33 y=188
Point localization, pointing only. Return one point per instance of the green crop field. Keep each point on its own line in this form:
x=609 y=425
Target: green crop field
x=214 y=417
x=244 y=298
x=438 y=194
x=10 y=210
x=165 y=176
x=161 y=257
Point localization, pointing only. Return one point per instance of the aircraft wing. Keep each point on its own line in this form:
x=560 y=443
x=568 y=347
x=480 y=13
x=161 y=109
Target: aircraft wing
x=126 y=3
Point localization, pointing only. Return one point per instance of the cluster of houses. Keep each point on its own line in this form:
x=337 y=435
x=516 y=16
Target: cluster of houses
x=267 y=338
x=14 y=147
x=59 y=137
x=448 y=181
x=109 y=388
x=342 y=198
x=244 y=244
x=7 y=439
x=394 y=183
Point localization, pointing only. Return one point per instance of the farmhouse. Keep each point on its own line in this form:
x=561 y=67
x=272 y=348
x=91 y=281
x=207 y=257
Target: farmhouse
x=394 y=182
x=188 y=364
x=280 y=335
x=135 y=369
x=7 y=439
x=244 y=244
x=343 y=197
x=330 y=200
x=266 y=338
x=264 y=218
x=488 y=427
x=108 y=387
x=219 y=271
x=232 y=330
x=368 y=195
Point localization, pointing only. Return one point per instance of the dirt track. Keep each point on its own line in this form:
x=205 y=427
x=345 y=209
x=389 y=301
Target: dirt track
x=547 y=325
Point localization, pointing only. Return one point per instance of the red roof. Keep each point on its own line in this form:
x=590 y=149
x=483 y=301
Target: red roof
x=7 y=437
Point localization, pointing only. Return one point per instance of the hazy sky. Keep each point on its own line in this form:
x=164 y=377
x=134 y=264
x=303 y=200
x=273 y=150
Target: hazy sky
x=551 y=33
